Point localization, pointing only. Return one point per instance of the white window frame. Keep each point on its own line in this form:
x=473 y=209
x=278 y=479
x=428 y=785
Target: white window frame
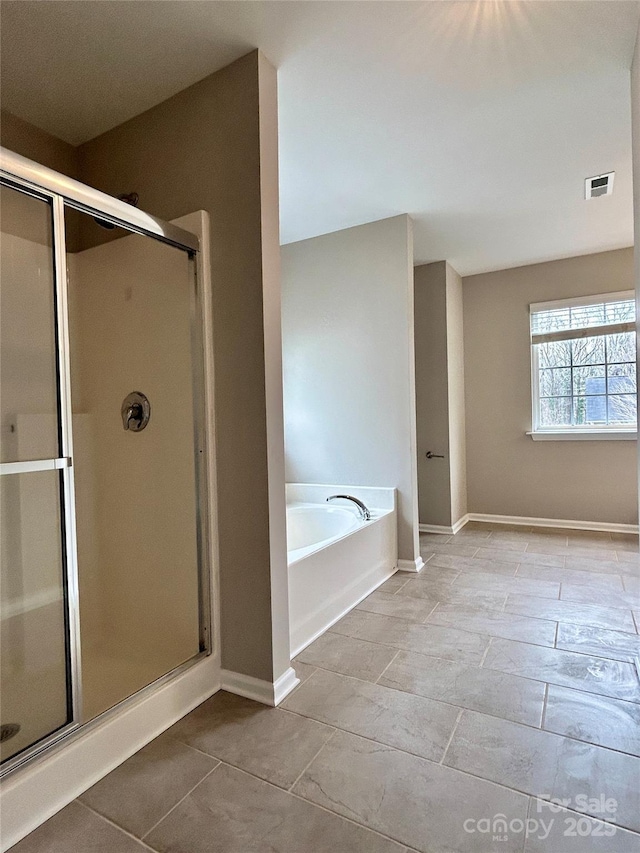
x=575 y=433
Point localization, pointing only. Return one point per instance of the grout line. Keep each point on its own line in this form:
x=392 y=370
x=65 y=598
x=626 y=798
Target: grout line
x=544 y=707
x=320 y=668
x=309 y=763
x=213 y=769
x=425 y=620
x=486 y=652
x=453 y=731
x=555 y=638
x=377 y=681
x=114 y=824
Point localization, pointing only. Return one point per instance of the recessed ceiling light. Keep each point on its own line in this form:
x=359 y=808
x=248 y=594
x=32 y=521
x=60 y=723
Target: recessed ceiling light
x=599 y=185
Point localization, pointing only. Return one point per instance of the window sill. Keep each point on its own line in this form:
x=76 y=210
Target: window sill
x=584 y=435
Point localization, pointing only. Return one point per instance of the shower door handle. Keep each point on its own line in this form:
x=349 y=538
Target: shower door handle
x=135 y=411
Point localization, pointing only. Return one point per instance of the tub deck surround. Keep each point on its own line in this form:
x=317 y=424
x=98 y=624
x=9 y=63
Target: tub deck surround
x=335 y=558
x=423 y=721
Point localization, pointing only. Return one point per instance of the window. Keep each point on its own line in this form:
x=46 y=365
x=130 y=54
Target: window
x=583 y=355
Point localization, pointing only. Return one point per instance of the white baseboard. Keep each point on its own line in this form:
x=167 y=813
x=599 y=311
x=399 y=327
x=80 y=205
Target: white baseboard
x=287 y=682
x=411 y=565
x=34 y=793
x=266 y=692
x=442 y=528
x=597 y=526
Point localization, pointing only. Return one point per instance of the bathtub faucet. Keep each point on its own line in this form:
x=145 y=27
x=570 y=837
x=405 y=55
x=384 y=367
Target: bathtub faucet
x=365 y=515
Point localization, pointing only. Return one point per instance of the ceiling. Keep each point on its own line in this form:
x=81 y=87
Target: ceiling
x=481 y=120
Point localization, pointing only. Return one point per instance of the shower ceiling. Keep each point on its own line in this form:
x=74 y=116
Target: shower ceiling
x=479 y=119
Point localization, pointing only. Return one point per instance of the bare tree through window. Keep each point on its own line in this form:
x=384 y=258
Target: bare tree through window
x=585 y=365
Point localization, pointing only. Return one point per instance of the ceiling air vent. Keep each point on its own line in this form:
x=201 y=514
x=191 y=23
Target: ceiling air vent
x=600 y=185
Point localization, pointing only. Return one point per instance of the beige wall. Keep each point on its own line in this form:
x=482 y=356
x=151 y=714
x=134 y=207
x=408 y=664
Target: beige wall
x=508 y=473
x=213 y=147
x=348 y=363
x=440 y=407
x=29 y=141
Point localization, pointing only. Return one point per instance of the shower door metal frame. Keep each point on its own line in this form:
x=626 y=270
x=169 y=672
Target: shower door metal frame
x=59 y=191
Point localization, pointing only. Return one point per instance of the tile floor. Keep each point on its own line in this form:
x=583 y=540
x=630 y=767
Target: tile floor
x=441 y=715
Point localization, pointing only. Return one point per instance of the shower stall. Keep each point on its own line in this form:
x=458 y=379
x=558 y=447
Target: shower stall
x=104 y=526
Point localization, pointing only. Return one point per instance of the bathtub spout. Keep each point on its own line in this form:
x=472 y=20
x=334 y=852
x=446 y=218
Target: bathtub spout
x=365 y=515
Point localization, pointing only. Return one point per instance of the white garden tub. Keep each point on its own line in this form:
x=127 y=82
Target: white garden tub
x=335 y=558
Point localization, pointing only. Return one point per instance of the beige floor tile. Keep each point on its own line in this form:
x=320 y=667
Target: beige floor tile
x=538 y=533
x=616 y=645
x=76 y=829
x=567 y=611
x=138 y=793
x=610 y=566
x=631 y=584
x=596 y=719
x=451 y=550
x=494 y=583
x=630 y=557
x=433 y=640
x=433 y=572
x=588 y=539
x=546 y=765
x=470 y=537
x=573 y=552
x=402 y=606
x=473 y=564
x=411 y=723
x=394 y=583
x=432 y=593
x=268 y=742
x=508 y=696
x=303 y=670
x=420 y=803
x=520 y=557
x=610 y=598
x=557 y=832
x=232 y=812
x=594 y=582
x=489 y=547
x=348 y=655
x=430 y=584
x=567 y=669
x=495 y=624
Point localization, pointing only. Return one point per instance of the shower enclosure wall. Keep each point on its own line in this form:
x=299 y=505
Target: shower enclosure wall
x=105 y=574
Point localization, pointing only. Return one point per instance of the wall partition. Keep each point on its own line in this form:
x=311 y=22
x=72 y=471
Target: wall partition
x=104 y=573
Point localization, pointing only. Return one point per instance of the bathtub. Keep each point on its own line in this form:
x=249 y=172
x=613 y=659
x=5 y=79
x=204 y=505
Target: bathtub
x=335 y=558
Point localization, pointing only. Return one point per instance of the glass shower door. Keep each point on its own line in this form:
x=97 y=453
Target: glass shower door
x=35 y=673
x=104 y=576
